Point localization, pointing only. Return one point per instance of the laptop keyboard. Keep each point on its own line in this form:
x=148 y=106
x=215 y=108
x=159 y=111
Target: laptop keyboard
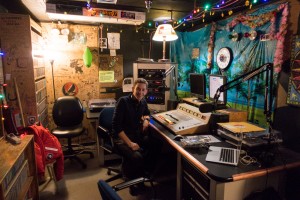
x=227 y=155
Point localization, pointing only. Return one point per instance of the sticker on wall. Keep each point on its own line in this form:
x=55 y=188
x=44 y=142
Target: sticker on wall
x=31 y=120
x=70 y=89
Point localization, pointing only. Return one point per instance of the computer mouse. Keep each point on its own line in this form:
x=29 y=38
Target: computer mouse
x=178 y=137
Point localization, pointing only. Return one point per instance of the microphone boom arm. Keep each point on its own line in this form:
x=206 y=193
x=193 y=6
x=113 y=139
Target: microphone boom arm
x=268 y=68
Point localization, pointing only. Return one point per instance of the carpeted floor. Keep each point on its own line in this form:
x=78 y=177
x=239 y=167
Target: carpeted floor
x=79 y=184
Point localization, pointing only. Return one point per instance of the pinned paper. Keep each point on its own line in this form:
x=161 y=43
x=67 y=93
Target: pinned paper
x=106 y=76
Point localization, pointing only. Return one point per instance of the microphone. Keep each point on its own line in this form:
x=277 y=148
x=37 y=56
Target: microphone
x=210 y=107
x=206 y=107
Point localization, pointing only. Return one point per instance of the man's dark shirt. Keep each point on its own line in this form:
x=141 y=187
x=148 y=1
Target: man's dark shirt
x=127 y=116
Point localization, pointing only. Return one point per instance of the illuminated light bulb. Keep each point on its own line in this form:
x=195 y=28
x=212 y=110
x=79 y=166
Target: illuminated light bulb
x=192 y=24
x=121 y=31
x=247 y=3
x=136 y=30
x=147 y=31
x=218 y=6
x=250 y=6
x=254 y=1
x=5 y=106
x=210 y=13
x=195 y=11
x=1 y=54
x=222 y=14
x=203 y=20
x=230 y=12
x=198 y=10
x=223 y=2
x=213 y=13
x=3 y=118
x=183 y=24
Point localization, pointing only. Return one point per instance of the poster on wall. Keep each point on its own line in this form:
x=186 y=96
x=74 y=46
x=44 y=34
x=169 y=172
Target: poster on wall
x=113 y=40
x=293 y=97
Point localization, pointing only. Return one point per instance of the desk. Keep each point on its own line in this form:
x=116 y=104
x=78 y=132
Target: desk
x=198 y=179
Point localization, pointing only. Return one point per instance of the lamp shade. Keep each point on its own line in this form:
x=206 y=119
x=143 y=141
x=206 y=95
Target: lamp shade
x=165 y=32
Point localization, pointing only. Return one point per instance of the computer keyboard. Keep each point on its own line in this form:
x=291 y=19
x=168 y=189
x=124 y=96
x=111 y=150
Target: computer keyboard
x=227 y=155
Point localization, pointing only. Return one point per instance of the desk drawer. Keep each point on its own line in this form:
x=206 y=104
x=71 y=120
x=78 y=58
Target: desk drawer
x=196 y=179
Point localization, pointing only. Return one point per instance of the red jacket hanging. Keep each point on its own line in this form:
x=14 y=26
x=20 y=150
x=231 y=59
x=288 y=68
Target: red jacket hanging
x=47 y=150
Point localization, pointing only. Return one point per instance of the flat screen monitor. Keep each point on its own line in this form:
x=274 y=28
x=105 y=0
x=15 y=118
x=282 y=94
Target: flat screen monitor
x=215 y=81
x=198 y=86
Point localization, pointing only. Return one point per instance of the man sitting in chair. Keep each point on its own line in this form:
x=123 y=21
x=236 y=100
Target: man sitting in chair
x=130 y=128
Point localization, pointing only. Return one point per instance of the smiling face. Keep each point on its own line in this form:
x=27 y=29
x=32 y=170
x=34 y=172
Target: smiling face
x=139 y=90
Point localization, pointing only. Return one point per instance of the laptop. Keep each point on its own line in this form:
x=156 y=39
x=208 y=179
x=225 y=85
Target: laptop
x=223 y=155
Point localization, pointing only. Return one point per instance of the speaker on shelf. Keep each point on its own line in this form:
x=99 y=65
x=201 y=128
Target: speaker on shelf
x=217 y=118
x=172 y=104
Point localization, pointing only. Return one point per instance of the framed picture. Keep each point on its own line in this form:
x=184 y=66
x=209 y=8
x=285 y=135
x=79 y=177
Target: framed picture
x=293 y=97
x=103 y=43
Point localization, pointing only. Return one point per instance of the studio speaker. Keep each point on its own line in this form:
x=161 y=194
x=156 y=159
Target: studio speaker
x=217 y=118
x=172 y=104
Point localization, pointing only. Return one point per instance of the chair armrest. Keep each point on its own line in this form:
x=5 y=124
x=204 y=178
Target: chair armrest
x=106 y=139
x=105 y=130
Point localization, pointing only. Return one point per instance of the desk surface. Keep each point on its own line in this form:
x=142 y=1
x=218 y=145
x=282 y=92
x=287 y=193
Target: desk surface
x=193 y=101
x=219 y=172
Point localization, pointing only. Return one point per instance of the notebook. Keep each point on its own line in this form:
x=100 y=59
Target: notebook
x=223 y=155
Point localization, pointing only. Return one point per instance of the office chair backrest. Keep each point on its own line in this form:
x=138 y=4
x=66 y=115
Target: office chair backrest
x=105 y=117
x=67 y=111
x=107 y=192
x=104 y=129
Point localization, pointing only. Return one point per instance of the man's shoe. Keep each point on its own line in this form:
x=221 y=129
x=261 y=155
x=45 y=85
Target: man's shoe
x=133 y=190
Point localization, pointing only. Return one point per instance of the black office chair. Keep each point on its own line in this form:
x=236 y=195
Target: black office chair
x=104 y=131
x=105 y=135
x=67 y=114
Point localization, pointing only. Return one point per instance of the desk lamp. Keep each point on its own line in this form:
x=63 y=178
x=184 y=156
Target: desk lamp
x=163 y=33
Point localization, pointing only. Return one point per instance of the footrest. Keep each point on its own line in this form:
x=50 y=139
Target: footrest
x=130 y=183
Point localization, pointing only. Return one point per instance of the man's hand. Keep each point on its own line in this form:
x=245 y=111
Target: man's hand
x=134 y=146
x=145 y=125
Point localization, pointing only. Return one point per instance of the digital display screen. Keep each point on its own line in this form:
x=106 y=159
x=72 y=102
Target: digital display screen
x=215 y=81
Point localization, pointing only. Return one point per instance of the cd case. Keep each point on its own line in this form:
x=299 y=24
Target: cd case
x=198 y=140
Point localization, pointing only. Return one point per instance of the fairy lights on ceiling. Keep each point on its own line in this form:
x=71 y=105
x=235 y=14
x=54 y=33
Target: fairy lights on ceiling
x=222 y=8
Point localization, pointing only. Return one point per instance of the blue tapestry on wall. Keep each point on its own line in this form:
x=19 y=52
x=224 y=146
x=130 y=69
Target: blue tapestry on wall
x=248 y=54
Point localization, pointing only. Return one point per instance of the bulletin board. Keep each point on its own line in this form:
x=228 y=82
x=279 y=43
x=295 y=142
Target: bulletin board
x=110 y=74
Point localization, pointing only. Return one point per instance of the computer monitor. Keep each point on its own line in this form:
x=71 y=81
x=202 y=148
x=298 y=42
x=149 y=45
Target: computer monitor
x=215 y=81
x=198 y=86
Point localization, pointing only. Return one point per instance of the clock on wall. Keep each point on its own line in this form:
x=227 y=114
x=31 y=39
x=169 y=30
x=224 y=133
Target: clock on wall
x=224 y=58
